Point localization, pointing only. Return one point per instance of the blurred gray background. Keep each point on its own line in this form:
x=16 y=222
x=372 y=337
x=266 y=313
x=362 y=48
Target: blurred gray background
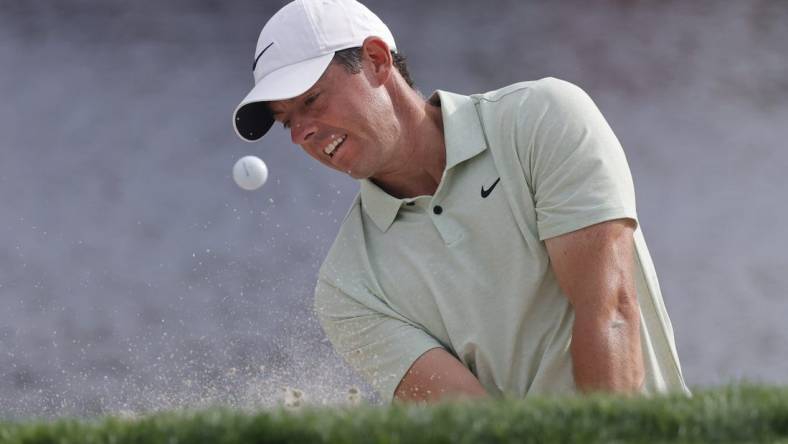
x=135 y=275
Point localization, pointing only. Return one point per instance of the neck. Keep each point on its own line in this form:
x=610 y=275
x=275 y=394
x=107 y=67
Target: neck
x=420 y=157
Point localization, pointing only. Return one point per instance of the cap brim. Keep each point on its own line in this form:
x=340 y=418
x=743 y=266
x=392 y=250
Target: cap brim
x=252 y=119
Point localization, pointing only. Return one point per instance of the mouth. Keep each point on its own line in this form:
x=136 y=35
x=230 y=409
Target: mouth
x=332 y=147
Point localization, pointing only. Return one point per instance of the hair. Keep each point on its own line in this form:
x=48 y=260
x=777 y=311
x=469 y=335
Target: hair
x=350 y=59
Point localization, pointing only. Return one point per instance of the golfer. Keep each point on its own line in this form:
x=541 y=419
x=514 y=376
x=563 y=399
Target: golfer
x=494 y=246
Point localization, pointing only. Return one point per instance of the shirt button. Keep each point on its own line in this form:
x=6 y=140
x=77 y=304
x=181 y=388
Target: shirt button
x=437 y=209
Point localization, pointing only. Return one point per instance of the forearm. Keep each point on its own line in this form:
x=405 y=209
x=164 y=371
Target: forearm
x=606 y=350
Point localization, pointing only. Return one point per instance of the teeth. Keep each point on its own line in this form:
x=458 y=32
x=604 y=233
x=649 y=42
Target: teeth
x=329 y=149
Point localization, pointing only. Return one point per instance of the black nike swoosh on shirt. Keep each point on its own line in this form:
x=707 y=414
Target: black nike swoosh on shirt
x=254 y=65
x=487 y=192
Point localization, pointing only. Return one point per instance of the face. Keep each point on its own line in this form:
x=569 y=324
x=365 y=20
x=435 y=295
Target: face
x=345 y=121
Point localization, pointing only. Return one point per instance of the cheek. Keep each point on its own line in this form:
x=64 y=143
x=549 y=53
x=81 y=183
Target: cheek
x=373 y=116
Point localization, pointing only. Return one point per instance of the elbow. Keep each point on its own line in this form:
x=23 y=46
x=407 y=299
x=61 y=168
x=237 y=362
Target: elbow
x=606 y=346
x=617 y=311
x=626 y=310
x=626 y=331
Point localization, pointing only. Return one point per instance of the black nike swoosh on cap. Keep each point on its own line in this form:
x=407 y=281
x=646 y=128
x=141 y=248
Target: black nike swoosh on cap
x=254 y=65
x=487 y=192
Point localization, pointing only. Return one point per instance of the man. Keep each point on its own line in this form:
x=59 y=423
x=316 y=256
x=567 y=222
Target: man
x=493 y=248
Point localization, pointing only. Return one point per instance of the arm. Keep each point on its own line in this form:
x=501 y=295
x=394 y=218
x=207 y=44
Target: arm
x=594 y=268
x=401 y=361
x=437 y=375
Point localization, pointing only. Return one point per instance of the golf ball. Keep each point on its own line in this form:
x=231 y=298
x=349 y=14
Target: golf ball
x=250 y=172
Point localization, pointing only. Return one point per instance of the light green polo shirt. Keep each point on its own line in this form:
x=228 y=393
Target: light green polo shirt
x=467 y=269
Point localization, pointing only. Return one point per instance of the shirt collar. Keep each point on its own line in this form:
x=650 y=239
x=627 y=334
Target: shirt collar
x=463 y=137
x=462 y=130
x=378 y=204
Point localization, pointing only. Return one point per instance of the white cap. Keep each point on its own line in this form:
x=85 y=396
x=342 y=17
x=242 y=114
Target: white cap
x=295 y=48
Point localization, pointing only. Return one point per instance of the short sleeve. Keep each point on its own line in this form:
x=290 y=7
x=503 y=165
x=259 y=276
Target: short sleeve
x=380 y=346
x=577 y=167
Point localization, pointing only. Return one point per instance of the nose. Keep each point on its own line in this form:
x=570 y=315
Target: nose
x=302 y=131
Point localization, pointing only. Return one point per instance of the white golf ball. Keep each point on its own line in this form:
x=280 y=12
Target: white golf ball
x=250 y=172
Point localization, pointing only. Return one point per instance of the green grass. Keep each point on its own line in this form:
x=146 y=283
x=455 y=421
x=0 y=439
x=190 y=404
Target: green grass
x=744 y=413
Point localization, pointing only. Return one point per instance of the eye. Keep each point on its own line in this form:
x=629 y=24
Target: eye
x=311 y=99
x=286 y=124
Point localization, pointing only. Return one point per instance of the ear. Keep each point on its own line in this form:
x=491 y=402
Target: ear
x=376 y=55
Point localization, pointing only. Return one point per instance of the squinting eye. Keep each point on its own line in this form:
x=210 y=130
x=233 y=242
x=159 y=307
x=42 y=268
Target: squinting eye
x=286 y=124
x=311 y=99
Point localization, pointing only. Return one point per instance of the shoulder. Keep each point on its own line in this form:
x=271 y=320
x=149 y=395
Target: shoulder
x=535 y=108
x=543 y=92
x=524 y=108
